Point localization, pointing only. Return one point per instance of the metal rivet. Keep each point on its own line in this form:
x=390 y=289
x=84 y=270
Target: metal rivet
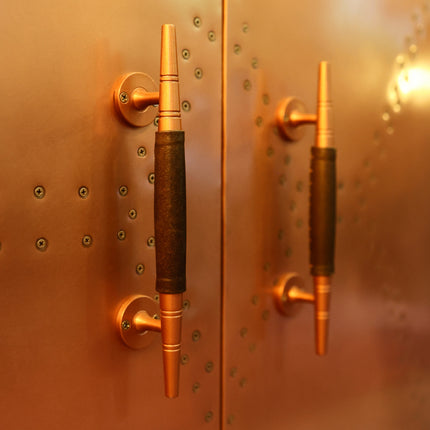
x=247 y=85
x=151 y=178
x=156 y=121
x=236 y=49
x=413 y=49
x=397 y=108
x=156 y=317
x=39 y=192
x=196 y=335
x=266 y=99
x=299 y=186
x=212 y=36
x=186 y=106
x=254 y=63
x=125 y=325
x=390 y=130
x=83 y=192
x=243 y=382
x=41 y=244
x=141 y=152
x=255 y=300
x=299 y=223
x=265 y=315
x=209 y=416
x=282 y=179
x=121 y=235
x=259 y=121
x=243 y=332
x=123 y=97
x=209 y=366
x=157 y=297
x=140 y=268
x=186 y=304
x=293 y=205
x=233 y=372
x=151 y=241
x=198 y=73
x=123 y=190
x=87 y=240
x=270 y=151
x=186 y=54
x=196 y=387
x=185 y=359
x=245 y=27
x=400 y=59
x=385 y=116
x=287 y=159
x=197 y=21
x=132 y=213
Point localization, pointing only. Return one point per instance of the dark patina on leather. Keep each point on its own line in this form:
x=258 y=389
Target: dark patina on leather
x=170 y=212
x=322 y=220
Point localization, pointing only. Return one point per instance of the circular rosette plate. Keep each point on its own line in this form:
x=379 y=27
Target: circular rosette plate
x=127 y=317
x=126 y=87
x=288 y=131
x=284 y=290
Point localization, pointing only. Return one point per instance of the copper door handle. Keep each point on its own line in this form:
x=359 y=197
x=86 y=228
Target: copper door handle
x=290 y=117
x=134 y=97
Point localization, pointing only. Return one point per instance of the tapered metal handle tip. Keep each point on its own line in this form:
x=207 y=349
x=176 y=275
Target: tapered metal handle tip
x=324 y=132
x=169 y=104
x=322 y=305
x=171 y=322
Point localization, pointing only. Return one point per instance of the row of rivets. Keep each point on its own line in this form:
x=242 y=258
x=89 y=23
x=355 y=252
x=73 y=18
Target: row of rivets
x=87 y=240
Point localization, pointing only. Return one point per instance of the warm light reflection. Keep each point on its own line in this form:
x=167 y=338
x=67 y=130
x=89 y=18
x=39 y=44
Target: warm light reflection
x=413 y=79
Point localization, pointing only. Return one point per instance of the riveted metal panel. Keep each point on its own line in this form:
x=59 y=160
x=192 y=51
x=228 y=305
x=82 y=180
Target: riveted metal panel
x=376 y=373
x=69 y=254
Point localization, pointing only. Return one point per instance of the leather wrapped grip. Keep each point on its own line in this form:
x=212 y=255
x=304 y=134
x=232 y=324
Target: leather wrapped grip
x=170 y=212
x=322 y=210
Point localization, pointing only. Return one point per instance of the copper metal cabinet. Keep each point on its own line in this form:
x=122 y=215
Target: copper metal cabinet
x=77 y=226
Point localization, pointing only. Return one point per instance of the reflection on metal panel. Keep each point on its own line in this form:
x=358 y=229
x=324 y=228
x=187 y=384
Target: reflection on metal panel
x=76 y=215
x=376 y=373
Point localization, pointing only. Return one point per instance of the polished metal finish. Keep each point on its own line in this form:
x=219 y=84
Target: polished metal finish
x=289 y=294
x=135 y=321
x=70 y=369
x=169 y=107
x=170 y=120
x=135 y=95
x=290 y=116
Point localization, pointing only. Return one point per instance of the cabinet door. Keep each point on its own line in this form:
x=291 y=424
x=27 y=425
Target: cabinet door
x=375 y=375
x=76 y=215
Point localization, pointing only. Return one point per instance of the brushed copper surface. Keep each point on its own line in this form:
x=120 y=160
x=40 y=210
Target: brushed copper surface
x=376 y=373
x=70 y=369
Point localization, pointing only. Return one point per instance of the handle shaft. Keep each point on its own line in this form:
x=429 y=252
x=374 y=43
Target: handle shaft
x=170 y=211
x=322 y=217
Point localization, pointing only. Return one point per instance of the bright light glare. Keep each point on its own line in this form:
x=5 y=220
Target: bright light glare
x=413 y=79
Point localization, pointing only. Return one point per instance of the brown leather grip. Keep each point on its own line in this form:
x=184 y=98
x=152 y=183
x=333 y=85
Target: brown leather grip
x=322 y=210
x=170 y=212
